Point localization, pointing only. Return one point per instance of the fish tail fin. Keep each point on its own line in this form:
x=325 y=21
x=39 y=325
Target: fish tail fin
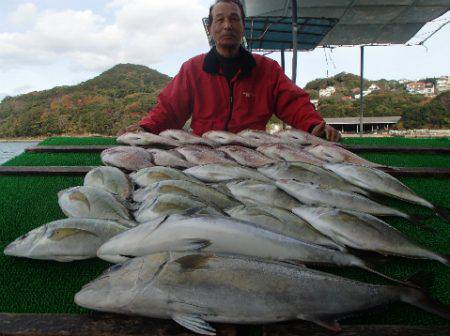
x=418 y=220
x=419 y=299
x=443 y=213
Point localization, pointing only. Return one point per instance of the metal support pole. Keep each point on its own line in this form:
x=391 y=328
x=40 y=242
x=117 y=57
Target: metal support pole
x=361 y=95
x=283 y=66
x=294 y=41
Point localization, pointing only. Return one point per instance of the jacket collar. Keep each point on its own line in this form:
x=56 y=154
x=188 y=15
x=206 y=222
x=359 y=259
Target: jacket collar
x=211 y=63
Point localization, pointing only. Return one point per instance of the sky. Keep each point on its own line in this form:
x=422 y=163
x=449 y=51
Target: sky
x=48 y=43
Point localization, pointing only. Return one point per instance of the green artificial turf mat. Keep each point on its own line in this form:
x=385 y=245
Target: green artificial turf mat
x=397 y=141
x=86 y=141
x=33 y=286
x=55 y=159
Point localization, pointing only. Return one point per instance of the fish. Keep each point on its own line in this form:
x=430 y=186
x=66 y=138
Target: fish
x=314 y=194
x=182 y=187
x=186 y=138
x=167 y=204
x=300 y=137
x=261 y=193
x=147 y=176
x=90 y=202
x=260 y=137
x=281 y=221
x=337 y=154
x=111 y=179
x=377 y=181
x=127 y=157
x=228 y=138
x=169 y=158
x=246 y=156
x=306 y=172
x=224 y=172
x=365 y=232
x=146 y=139
x=288 y=153
x=65 y=240
x=218 y=234
x=197 y=288
x=198 y=155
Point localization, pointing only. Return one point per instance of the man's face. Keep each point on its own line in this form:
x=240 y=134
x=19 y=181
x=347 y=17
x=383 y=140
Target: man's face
x=227 y=28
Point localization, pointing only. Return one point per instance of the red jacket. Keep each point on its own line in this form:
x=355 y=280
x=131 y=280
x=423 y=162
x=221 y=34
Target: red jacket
x=259 y=90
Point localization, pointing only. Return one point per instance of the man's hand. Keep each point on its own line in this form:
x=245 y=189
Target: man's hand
x=132 y=129
x=327 y=132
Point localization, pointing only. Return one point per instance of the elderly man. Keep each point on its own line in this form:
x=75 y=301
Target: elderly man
x=231 y=89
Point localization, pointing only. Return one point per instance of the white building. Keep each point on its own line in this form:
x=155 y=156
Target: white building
x=420 y=88
x=365 y=93
x=327 y=92
x=443 y=84
x=373 y=87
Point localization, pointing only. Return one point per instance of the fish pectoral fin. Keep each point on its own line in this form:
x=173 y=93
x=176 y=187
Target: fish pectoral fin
x=195 y=323
x=192 y=244
x=62 y=233
x=189 y=308
x=327 y=322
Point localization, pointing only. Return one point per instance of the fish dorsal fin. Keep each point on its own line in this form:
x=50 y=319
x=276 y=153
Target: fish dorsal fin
x=193 y=261
x=62 y=233
x=327 y=322
x=195 y=323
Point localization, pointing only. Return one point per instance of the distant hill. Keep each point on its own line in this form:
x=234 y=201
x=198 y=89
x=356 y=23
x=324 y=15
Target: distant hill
x=417 y=111
x=105 y=104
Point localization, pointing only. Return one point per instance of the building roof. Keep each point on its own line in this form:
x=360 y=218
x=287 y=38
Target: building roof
x=366 y=120
x=357 y=22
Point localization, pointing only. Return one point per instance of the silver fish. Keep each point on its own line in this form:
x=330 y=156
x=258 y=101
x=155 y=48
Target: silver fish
x=111 y=179
x=146 y=139
x=228 y=138
x=169 y=158
x=281 y=221
x=300 y=137
x=65 y=240
x=260 y=137
x=127 y=157
x=246 y=156
x=186 y=138
x=305 y=172
x=89 y=202
x=167 y=204
x=147 y=176
x=288 y=153
x=337 y=154
x=224 y=172
x=257 y=192
x=314 y=194
x=221 y=234
x=377 y=181
x=194 y=289
x=199 y=155
x=364 y=232
x=187 y=188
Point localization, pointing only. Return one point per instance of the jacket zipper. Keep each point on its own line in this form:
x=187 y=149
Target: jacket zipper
x=231 y=86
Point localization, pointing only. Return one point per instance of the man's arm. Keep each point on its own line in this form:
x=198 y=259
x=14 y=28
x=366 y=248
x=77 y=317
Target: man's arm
x=172 y=110
x=293 y=106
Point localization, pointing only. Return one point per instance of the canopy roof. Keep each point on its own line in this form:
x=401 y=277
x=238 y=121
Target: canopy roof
x=354 y=22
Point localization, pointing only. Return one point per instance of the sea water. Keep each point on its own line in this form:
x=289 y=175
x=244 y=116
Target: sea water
x=10 y=149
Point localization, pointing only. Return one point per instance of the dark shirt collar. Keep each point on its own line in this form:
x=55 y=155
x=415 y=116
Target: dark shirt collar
x=211 y=64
